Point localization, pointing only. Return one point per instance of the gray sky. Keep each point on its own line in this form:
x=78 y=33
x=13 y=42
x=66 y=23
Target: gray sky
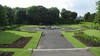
x=79 y=6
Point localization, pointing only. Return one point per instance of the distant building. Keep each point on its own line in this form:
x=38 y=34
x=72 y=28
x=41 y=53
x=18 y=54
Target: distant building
x=80 y=17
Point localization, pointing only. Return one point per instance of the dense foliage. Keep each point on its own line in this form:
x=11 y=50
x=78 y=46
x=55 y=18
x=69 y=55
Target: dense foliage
x=3 y=19
x=35 y=15
x=97 y=19
x=89 y=17
x=92 y=40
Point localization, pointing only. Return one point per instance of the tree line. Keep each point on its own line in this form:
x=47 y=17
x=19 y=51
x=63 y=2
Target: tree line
x=94 y=17
x=35 y=15
x=41 y=15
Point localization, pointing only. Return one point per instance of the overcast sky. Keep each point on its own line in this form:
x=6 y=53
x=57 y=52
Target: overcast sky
x=79 y=6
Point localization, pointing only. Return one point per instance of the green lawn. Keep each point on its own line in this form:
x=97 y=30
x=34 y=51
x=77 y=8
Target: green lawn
x=67 y=25
x=95 y=50
x=74 y=41
x=92 y=32
x=32 y=44
x=28 y=26
x=18 y=52
x=78 y=44
x=8 y=37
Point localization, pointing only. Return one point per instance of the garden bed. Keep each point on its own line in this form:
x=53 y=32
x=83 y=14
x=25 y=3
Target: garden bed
x=20 y=43
x=87 y=40
x=83 y=42
x=6 y=53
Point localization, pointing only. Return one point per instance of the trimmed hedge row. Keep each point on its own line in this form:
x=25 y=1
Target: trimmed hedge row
x=92 y=40
x=9 y=27
x=90 y=25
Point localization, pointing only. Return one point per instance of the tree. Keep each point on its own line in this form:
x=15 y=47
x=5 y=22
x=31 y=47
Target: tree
x=21 y=17
x=73 y=15
x=3 y=20
x=91 y=17
x=31 y=13
x=97 y=18
x=53 y=14
x=37 y=14
x=65 y=14
x=86 y=16
x=10 y=15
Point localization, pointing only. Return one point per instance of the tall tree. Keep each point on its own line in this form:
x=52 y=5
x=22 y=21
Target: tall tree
x=86 y=16
x=21 y=17
x=73 y=15
x=53 y=14
x=65 y=14
x=92 y=17
x=97 y=18
x=37 y=14
x=10 y=15
x=3 y=20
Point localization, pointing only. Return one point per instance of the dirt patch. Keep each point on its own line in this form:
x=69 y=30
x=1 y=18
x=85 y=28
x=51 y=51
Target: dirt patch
x=20 y=43
x=84 y=42
x=7 y=54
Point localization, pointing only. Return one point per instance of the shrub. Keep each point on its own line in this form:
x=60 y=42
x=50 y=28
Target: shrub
x=92 y=40
x=77 y=21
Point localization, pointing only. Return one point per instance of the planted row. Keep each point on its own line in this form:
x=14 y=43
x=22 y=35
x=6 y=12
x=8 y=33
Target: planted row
x=9 y=27
x=92 y=40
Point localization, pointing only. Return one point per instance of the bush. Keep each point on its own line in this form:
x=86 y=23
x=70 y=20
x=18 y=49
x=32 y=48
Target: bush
x=90 y=25
x=5 y=28
x=77 y=21
x=14 y=26
x=92 y=40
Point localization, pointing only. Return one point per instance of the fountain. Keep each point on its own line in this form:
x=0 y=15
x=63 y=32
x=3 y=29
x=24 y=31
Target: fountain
x=50 y=27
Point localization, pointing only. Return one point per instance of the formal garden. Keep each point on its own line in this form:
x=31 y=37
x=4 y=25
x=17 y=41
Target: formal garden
x=16 y=42
x=21 y=29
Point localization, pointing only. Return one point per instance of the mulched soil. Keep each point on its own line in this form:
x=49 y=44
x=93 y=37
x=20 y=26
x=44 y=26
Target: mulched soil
x=84 y=42
x=20 y=43
x=7 y=54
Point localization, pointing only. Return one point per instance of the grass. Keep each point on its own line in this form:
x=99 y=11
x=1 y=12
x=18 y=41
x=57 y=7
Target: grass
x=8 y=37
x=74 y=41
x=32 y=44
x=23 y=34
x=34 y=41
x=28 y=26
x=92 y=32
x=18 y=52
x=95 y=50
x=66 y=25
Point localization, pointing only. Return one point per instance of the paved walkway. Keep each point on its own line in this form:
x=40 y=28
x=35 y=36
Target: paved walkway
x=62 y=53
x=53 y=44
x=53 y=40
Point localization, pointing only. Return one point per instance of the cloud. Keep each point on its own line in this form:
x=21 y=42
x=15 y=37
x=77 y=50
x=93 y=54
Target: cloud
x=46 y=3
x=80 y=6
x=83 y=6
